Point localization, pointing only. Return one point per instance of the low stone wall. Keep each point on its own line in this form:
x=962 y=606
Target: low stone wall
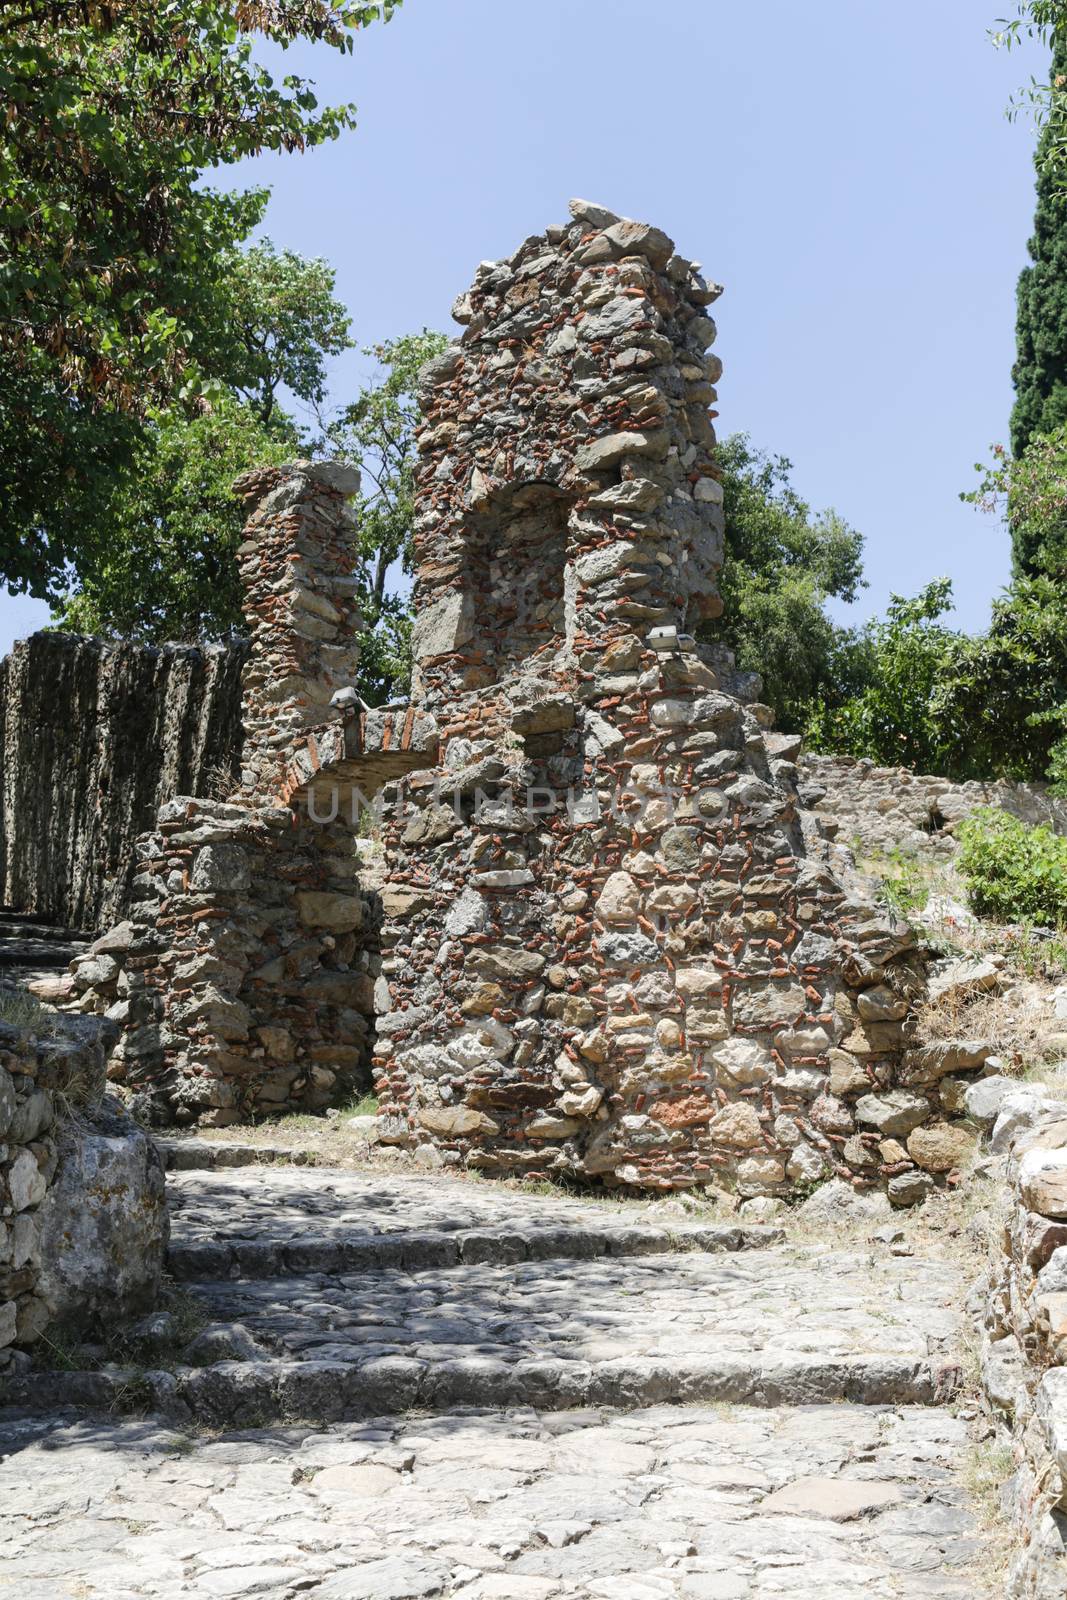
x=94 y=736
x=878 y=810
x=244 y=975
x=83 y=1221
x=1024 y=1350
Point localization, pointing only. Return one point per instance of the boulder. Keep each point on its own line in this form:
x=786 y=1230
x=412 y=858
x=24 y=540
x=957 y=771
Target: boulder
x=984 y=1100
x=453 y=1122
x=1043 y=1182
x=962 y=977
x=880 y=1004
x=838 y=1202
x=931 y=1061
x=909 y=1188
x=1004 y=1372
x=1019 y=1112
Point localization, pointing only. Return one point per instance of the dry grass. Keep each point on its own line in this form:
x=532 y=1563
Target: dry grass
x=987 y=1466
x=961 y=1225
x=1016 y=1023
x=219 y=781
x=23 y=1010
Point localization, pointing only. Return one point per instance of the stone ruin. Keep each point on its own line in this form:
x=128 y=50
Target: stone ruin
x=244 y=973
x=594 y=937
x=94 y=735
x=83 y=1216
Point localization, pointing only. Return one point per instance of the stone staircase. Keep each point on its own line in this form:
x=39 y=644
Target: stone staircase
x=328 y=1295
x=32 y=951
x=420 y=1385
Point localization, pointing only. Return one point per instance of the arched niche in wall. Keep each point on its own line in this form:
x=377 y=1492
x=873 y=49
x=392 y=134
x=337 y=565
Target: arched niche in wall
x=514 y=570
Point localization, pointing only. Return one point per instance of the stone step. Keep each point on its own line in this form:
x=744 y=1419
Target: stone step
x=256 y=1393
x=666 y=1503
x=267 y=1258
x=49 y=954
x=748 y=1308
x=210 y=1155
x=789 y=1325
x=263 y=1223
x=19 y=925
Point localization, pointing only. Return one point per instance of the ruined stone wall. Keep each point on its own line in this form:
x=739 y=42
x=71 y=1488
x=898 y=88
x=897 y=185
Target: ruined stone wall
x=84 y=1220
x=247 y=968
x=244 y=974
x=879 y=810
x=606 y=954
x=93 y=736
x=612 y=947
x=1024 y=1345
x=298 y=572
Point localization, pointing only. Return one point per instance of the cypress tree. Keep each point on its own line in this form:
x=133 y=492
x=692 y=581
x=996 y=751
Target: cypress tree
x=1040 y=371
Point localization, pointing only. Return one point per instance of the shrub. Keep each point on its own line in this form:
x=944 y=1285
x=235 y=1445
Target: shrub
x=1013 y=872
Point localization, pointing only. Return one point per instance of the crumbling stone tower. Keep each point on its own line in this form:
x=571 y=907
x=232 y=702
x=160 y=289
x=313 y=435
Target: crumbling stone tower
x=607 y=953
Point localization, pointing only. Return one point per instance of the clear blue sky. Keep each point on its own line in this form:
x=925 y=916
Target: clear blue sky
x=846 y=170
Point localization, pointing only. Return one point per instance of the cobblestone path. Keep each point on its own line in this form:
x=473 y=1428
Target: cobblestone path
x=524 y=1397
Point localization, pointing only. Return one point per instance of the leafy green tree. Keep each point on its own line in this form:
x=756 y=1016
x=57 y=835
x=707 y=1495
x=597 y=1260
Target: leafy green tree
x=1005 y=694
x=163 y=567
x=376 y=433
x=1030 y=493
x=1043 y=99
x=283 y=322
x=157 y=562
x=940 y=701
x=893 y=717
x=993 y=704
x=113 y=254
x=781 y=565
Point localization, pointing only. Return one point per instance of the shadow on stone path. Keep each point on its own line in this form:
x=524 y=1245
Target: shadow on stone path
x=493 y=1423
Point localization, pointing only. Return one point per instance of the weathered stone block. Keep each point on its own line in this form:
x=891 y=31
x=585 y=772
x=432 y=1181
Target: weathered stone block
x=443 y=627
x=895 y=1114
x=737 y=1126
x=1043 y=1182
x=103 y=1227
